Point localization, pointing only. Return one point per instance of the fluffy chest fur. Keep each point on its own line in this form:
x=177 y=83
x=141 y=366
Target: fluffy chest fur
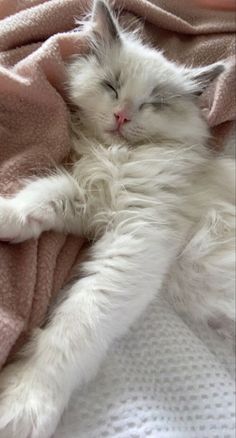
x=145 y=185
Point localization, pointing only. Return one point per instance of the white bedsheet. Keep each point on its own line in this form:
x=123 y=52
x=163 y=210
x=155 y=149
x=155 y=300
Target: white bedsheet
x=162 y=380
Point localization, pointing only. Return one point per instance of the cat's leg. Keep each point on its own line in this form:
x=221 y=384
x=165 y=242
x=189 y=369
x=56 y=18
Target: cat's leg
x=201 y=282
x=121 y=278
x=43 y=204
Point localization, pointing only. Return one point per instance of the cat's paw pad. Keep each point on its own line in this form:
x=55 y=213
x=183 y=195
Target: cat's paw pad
x=28 y=406
x=224 y=326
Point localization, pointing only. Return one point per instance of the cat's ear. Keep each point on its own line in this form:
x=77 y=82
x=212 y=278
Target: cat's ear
x=201 y=77
x=106 y=26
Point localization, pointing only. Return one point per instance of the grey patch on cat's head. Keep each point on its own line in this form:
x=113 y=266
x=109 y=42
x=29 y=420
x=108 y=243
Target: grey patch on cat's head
x=106 y=26
x=203 y=76
x=164 y=93
x=118 y=77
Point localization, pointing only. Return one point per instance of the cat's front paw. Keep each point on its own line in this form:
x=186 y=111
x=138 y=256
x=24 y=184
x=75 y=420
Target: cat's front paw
x=14 y=225
x=10 y=224
x=29 y=407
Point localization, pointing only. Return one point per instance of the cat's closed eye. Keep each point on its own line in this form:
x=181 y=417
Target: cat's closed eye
x=157 y=105
x=110 y=88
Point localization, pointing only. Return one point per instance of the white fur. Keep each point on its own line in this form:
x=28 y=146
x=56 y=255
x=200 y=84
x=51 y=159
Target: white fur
x=158 y=206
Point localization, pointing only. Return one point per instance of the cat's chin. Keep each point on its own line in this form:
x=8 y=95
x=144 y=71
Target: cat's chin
x=111 y=136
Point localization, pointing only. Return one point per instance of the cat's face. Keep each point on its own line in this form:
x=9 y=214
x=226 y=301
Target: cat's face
x=129 y=92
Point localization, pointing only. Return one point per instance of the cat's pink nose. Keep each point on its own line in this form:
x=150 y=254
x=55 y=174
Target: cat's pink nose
x=121 y=117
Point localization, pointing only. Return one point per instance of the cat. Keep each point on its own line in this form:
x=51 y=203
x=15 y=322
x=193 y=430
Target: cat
x=156 y=203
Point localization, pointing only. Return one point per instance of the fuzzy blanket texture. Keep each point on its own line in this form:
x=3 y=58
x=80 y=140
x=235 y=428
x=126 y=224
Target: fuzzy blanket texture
x=36 y=38
x=164 y=379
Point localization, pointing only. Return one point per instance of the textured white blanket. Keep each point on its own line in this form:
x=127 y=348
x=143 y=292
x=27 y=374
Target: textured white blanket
x=163 y=380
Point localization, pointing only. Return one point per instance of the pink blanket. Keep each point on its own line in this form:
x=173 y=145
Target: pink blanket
x=36 y=37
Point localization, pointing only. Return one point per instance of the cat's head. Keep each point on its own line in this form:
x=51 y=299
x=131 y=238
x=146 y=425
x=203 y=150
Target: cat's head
x=125 y=90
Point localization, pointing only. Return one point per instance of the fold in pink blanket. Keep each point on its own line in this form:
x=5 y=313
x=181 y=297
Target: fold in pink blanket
x=36 y=38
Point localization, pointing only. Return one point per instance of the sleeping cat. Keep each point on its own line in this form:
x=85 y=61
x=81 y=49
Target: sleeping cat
x=157 y=205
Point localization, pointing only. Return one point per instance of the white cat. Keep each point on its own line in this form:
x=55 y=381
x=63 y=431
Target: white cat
x=157 y=204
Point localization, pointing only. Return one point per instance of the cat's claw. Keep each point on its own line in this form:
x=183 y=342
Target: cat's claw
x=28 y=407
